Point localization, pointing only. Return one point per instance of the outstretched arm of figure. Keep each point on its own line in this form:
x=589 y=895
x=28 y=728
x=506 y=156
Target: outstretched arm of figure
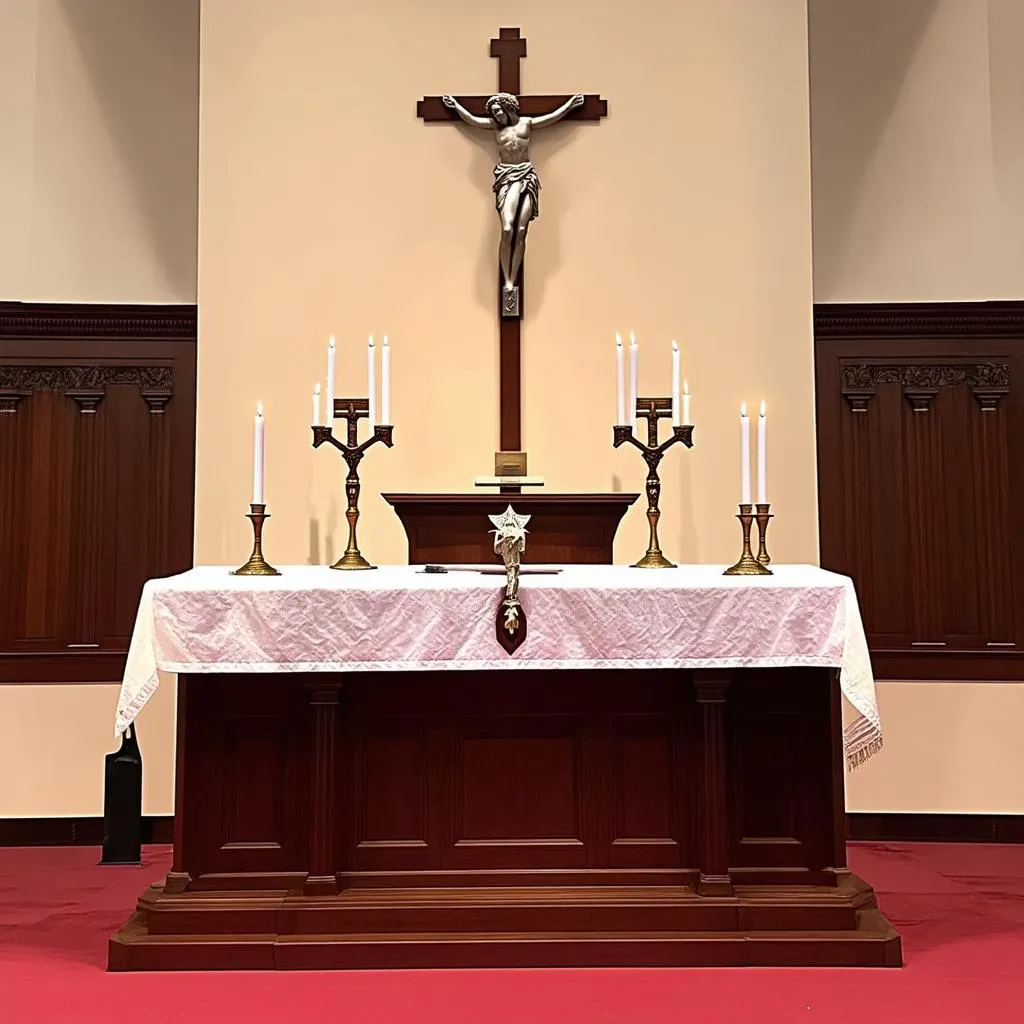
x=556 y=115
x=476 y=122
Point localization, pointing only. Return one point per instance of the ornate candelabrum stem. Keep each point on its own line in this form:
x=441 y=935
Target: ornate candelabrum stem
x=748 y=565
x=653 y=409
x=257 y=564
x=352 y=410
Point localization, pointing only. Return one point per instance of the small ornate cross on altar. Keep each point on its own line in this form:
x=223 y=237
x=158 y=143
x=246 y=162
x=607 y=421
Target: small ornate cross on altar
x=512 y=118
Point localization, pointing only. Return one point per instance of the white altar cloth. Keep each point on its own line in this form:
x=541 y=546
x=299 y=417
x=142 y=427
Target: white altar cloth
x=400 y=619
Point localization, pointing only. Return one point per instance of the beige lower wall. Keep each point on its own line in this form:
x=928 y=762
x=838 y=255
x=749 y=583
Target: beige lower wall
x=52 y=743
x=950 y=747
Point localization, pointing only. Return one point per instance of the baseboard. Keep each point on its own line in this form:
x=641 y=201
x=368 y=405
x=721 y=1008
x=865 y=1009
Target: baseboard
x=86 y=831
x=872 y=827
x=936 y=828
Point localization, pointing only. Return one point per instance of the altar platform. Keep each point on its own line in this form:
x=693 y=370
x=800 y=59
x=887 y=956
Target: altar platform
x=366 y=779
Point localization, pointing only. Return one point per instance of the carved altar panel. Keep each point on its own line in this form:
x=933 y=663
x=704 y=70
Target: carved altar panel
x=97 y=449
x=921 y=468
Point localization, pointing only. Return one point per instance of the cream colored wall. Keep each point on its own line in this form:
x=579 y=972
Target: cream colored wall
x=327 y=206
x=98 y=183
x=98 y=194
x=917 y=141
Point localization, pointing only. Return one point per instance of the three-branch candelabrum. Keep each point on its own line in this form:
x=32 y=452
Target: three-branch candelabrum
x=653 y=410
x=352 y=410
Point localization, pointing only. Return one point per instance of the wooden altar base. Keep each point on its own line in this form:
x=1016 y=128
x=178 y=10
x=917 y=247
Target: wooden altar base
x=508 y=819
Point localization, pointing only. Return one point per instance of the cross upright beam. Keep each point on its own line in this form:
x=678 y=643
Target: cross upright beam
x=509 y=49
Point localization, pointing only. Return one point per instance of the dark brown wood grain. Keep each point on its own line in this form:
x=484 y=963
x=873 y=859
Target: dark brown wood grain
x=508 y=819
x=97 y=454
x=563 y=528
x=920 y=421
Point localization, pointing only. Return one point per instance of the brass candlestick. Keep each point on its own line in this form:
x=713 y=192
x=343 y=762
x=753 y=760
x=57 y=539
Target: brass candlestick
x=748 y=565
x=257 y=564
x=652 y=410
x=763 y=516
x=352 y=410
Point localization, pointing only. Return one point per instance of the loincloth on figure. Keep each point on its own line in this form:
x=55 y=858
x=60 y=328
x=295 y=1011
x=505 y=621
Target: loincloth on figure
x=524 y=175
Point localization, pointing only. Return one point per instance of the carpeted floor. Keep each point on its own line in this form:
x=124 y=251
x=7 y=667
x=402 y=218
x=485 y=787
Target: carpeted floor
x=960 y=910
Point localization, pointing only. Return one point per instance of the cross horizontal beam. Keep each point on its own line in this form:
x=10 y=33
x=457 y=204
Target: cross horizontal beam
x=430 y=108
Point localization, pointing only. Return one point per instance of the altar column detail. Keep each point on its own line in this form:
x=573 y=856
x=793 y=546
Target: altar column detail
x=711 y=688
x=324 y=701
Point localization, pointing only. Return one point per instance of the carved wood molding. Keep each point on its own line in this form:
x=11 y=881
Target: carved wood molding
x=921 y=382
x=85 y=384
x=899 y=320
x=61 y=321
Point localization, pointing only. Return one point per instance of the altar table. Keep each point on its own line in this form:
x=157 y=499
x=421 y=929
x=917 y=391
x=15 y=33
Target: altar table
x=365 y=779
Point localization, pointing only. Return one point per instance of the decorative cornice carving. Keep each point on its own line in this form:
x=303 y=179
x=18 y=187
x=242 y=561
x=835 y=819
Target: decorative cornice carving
x=60 y=321
x=921 y=382
x=919 y=320
x=928 y=375
x=85 y=384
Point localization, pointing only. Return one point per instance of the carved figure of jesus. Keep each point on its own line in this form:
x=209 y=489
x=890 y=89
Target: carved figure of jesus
x=516 y=184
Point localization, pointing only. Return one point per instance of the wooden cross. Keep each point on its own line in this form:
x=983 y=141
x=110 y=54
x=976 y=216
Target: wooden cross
x=509 y=49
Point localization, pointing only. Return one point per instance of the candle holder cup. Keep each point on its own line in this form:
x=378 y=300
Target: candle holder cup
x=748 y=565
x=653 y=410
x=352 y=410
x=257 y=564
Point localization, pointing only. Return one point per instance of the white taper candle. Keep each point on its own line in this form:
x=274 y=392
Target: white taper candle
x=686 y=403
x=675 y=385
x=316 y=405
x=744 y=455
x=385 y=382
x=620 y=382
x=634 y=378
x=371 y=382
x=257 y=457
x=330 y=382
x=762 y=456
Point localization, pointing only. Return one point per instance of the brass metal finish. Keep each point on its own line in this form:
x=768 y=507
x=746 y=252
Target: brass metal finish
x=352 y=410
x=748 y=565
x=257 y=564
x=510 y=463
x=653 y=409
x=762 y=515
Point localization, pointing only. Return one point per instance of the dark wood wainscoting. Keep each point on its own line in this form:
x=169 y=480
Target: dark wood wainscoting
x=97 y=459
x=920 y=464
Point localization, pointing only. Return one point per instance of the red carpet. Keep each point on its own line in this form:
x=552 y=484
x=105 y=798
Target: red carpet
x=960 y=910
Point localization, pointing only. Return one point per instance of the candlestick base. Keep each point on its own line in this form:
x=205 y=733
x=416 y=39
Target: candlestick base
x=352 y=560
x=654 y=560
x=257 y=564
x=748 y=565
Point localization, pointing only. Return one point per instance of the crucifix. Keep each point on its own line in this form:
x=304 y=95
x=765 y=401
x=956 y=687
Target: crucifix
x=512 y=118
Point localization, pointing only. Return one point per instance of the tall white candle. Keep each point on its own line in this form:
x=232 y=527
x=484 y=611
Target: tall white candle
x=371 y=382
x=686 y=403
x=762 y=455
x=330 y=382
x=744 y=455
x=675 y=385
x=385 y=382
x=257 y=457
x=620 y=382
x=316 y=405
x=634 y=377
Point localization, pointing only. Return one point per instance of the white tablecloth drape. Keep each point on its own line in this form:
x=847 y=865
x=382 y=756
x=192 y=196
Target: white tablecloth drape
x=398 y=618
